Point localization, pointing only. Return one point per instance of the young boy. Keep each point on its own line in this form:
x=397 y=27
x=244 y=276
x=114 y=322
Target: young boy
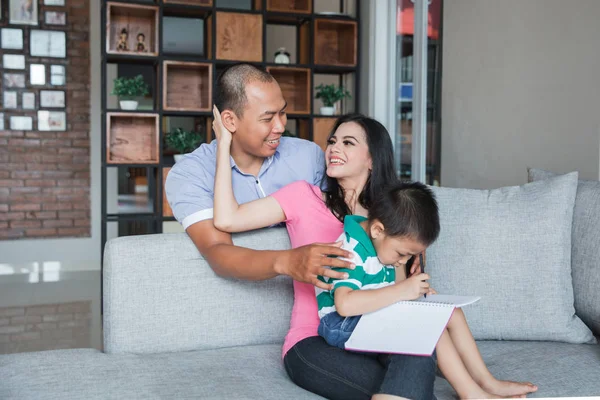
x=402 y=223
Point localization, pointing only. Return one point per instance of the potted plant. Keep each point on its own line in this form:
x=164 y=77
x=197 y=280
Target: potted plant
x=183 y=141
x=329 y=95
x=127 y=89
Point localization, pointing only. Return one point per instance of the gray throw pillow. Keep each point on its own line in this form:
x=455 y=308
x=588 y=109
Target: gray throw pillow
x=512 y=247
x=585 y=254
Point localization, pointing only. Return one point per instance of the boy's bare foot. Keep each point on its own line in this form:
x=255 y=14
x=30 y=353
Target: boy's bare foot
x=479 y=394
x=509 y=388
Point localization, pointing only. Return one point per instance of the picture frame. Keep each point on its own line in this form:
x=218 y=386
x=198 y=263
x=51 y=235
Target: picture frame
x=37 y=74
x=54 y=2
x=43 y=43
x=12 y=39
x=21 y=123
x=28 y=101
x=58 y=75
x=13 y=61
x=13 y=80
x=55 y=18
x=23 y=12
x=52 y=99
x=9 y=100
x=52 y=120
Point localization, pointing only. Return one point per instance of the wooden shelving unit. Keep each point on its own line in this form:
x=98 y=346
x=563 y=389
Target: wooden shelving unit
x=187 y=86
x=135 y=19
x=132 y=138
x=182 y=84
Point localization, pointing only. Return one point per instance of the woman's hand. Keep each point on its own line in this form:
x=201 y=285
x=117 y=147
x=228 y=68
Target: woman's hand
x=223 y=135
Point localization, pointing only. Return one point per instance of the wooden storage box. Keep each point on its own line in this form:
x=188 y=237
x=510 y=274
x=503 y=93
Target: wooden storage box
x=239 y=36
x=187 y=86
x=295 y=84
x=167 y=211
x=132 y=138
x=321 y=129
x=335 y=42
x=291 y=6
x=135 y=19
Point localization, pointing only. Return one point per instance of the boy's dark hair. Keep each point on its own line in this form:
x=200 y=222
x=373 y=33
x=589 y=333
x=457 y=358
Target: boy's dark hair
x=408 y=209
x=230 y=91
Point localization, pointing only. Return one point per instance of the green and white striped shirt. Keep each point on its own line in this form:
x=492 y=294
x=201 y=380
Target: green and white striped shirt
x=369 y=272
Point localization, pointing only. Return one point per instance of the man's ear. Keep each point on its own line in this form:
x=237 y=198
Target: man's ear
x=230 y=120
x=376 y=229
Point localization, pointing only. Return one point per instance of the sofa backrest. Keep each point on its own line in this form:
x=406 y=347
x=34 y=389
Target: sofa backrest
x=160 y=295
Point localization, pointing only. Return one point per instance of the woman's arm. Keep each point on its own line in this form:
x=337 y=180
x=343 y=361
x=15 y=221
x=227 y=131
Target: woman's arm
x=350 y=302
x=228 y=215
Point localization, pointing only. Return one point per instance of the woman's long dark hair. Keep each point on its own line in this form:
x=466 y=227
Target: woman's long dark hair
x=382 y=173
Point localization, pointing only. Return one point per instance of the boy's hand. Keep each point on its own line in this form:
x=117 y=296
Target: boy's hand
x=416 y=267
x=414 y=287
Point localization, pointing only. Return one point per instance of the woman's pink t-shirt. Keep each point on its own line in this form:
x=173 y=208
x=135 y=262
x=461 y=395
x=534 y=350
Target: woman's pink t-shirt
x=308 y=221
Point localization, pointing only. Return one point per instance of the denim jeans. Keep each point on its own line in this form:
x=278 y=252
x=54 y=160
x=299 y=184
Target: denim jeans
x=334 y=373
x=336 y=330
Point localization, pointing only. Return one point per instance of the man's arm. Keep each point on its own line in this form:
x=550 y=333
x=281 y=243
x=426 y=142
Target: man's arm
x=302 y=264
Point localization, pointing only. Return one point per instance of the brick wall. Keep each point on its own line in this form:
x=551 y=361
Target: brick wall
x=45 y=327
x=45 y=176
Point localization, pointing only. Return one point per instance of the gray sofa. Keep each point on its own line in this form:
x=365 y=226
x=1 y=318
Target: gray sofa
x=174 y=330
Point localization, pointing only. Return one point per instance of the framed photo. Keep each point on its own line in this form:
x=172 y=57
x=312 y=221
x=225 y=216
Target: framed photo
x=54 y=2
x=13 y=61
x=48 y=43
x=52 y=99
x=12 y=38
x=52 y=121
x=28 y=101
x=21 y=123
x=10 y=99
x=1 y=121
x=57 y=75
x=23 y=12
x=55 y=18
x=12 y=80
x=37 y=74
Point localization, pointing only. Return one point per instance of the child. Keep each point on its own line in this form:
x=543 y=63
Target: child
x=402 y=223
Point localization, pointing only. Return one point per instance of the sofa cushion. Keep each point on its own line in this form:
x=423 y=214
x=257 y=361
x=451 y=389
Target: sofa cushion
x=160 y=295
x=558 y=369
x=252 y=372
x=512 y=246
x=585 y=255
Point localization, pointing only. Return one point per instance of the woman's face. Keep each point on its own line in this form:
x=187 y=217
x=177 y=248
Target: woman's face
x=347 y=154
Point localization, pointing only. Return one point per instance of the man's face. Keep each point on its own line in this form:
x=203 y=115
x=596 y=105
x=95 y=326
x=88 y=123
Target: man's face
x=264 y=119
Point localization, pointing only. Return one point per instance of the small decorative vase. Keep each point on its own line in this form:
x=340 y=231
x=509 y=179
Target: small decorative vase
x=128 y=104
x=179 y=157
x=327 y=110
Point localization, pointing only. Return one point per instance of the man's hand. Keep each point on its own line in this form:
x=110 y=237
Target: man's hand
x=305 y=263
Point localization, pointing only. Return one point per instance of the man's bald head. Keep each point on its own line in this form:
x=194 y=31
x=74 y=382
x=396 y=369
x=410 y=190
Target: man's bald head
x=231 y=86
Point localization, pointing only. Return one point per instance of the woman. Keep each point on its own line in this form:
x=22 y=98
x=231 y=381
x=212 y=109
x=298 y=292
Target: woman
x=359 y=163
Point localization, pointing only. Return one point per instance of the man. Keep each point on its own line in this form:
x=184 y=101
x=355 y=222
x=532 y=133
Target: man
x=253 y=109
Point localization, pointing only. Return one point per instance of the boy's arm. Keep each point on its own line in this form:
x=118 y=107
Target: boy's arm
x=350 y=302
x=302 y=263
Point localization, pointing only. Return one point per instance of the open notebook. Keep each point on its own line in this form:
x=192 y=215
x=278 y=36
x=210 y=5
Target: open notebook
x=408 y=327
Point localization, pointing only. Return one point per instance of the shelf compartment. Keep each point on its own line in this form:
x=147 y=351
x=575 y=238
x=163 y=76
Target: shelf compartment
x=239 y=36
x=335 y=42
x=291 y=6
x=322 y=127
x=187 y=86
x=202 y=3
x=167 y=211
x=295 y=85
x=132 y=138
x=136 y=19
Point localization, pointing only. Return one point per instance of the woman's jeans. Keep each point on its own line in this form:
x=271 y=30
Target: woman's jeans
x=339 y=374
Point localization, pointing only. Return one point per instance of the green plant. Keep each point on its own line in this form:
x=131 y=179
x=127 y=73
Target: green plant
x=130 y=87
x=184 y=141
x=331 y=94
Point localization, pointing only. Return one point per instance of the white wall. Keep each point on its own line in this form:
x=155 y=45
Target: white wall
x=520 y=88
x=83 y=250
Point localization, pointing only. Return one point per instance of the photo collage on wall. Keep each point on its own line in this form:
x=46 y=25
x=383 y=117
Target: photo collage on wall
x=33 y=44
